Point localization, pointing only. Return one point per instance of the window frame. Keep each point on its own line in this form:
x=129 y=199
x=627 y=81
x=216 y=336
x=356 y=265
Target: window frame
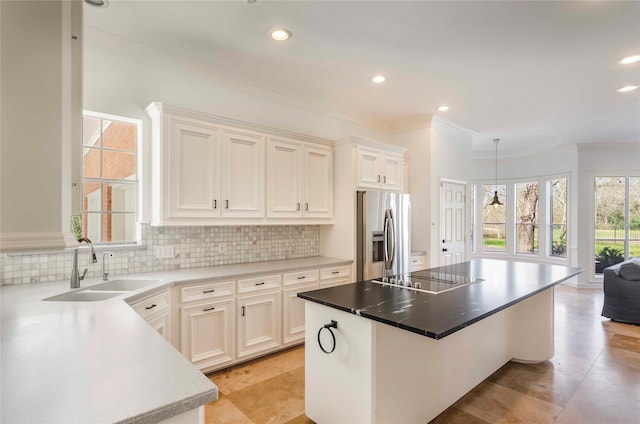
x=136 y=183
x=544 y=235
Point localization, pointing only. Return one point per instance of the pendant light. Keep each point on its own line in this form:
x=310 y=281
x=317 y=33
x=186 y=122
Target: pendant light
x=496 y=202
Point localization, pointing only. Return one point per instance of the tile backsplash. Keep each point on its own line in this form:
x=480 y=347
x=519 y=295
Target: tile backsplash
x=193 y=247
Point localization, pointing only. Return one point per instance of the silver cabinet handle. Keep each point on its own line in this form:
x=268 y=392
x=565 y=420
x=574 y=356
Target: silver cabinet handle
x=208 y=309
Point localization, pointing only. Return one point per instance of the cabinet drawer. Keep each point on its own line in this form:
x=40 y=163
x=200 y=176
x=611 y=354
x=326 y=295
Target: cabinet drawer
x=335 y=272
x=249 y=285
x=299 y=277
x=418 y=262
x=152 y=304
x=206 y=291
x=333 y=283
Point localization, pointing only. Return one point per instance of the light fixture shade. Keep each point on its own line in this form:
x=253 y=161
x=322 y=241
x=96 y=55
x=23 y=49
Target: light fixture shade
x=495 y=202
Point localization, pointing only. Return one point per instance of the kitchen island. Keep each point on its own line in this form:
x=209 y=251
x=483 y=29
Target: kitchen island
x=405 y=355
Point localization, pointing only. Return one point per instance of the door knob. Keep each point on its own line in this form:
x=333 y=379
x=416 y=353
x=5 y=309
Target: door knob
x=444 y=249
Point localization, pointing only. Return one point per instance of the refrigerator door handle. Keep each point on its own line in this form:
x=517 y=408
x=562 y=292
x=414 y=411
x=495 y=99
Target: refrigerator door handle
x=389 y=242
x=392 y=227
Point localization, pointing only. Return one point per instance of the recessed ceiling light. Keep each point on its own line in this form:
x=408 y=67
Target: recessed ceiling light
x=378 y=79
x=97 y=3
x=443 y=108
x=628 y=88
x=629 y=60
x=280 y=34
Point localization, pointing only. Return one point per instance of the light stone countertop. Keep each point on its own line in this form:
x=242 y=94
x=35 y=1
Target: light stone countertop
x=100 y=362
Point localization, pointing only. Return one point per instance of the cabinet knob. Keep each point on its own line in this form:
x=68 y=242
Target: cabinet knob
x=444 y=249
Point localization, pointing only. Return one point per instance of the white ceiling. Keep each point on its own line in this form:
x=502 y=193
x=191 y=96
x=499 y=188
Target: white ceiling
x=535 y=74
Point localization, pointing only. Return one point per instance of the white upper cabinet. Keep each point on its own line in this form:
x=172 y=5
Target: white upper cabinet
x=299 y=180
x=193 y=171
x=206 y=172
x=243 y=174
x=379 y=169
x=317 y=182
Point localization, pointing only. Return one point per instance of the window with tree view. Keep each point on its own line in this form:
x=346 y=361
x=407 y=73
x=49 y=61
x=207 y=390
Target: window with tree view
x=526 y=218
x=617 y=220
x=494 y=220
x=109 y=179
x=558 y=215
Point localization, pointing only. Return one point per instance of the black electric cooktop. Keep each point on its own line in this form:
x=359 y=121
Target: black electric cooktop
x=431 y=281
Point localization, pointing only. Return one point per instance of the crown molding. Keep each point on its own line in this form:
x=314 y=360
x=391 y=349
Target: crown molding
x=367 y=142
x=156 y=108
x=28 y=242
x=450 y=127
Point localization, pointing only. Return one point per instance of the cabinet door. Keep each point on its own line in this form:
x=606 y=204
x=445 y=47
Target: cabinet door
x=392 y=175
x=162 y=324
x=318 y=183
x=243 y=180
x=258 y=323
x=194 y=171
x=284 y=182
x=369 y=168
x=293 y=313
x=206 y=333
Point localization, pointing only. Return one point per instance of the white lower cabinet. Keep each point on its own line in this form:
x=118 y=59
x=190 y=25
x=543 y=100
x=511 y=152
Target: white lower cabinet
x=259 y=317
x=335 y=276
x=293 y=313
x=230 y=321
x=162 y=325
x=155 y=309
x=207 y=333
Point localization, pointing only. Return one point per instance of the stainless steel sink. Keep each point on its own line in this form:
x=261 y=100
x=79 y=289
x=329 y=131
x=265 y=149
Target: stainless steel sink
x=83 y=296
x=121 y=285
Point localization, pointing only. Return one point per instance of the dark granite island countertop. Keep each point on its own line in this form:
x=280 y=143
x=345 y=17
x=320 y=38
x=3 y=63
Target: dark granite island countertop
x=504 y=283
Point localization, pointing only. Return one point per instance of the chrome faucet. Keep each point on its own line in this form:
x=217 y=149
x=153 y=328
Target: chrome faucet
x=75 y=275
x=105 y=274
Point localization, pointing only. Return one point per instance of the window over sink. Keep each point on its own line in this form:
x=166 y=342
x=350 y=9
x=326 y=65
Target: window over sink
x=110 y=182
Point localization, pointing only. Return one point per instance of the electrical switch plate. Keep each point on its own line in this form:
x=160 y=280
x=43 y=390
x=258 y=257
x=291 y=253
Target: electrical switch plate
x=165 y=252
x=221 y=248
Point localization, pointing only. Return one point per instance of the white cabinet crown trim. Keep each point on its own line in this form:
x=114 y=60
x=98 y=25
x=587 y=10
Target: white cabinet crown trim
x=159 y=107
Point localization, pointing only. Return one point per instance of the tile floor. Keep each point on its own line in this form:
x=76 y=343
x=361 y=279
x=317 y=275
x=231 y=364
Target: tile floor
x=594 y=377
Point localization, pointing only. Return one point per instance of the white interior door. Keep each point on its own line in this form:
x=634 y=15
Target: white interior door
x=452 y=209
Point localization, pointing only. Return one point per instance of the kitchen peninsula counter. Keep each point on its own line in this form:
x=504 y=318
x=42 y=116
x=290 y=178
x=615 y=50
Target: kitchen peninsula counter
x=386 y=354
x=100 y=362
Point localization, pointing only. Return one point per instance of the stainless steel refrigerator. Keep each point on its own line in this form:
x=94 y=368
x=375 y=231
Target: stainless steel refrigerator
x=383 y=231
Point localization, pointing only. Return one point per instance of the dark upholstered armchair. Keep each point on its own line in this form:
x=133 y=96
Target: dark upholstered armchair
x=622 y=292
